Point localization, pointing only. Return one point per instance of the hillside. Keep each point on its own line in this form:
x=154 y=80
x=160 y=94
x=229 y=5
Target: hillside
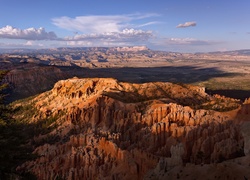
x=100 y=128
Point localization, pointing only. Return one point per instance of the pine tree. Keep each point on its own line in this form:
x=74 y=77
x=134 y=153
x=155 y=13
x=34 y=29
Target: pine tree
x=12 y=140
x=2 y=107
x=2 y=84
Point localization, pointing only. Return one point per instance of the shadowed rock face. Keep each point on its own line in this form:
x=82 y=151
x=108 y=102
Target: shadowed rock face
x=105 y=129
x=30 y=80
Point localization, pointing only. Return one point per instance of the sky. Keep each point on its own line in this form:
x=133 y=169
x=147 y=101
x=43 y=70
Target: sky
x=168 y=25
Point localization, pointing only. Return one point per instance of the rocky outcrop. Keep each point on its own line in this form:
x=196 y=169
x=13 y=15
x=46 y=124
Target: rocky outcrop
x=166 y=164
x=113 y=130
x=89 y=157
x=29 y=80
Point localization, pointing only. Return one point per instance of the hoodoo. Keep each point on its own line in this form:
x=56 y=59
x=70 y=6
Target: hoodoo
x=104 y=129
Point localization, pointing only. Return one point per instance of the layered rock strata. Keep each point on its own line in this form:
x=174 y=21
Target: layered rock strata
x=113 y=130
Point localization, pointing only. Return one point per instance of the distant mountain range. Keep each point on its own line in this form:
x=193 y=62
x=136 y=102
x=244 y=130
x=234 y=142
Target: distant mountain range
x=235 y=52
x=111 y=49
x=75 y=49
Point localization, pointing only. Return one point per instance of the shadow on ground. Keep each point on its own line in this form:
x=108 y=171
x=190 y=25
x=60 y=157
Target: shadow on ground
x=233 y=93
x=183 y=74
x=40 y=81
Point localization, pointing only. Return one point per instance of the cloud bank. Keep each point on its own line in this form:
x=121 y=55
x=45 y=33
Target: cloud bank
x=189 y=41
x=186 y=24
x=126 y=35
x=107 y=29
x=122 y=38
x=10 y=32
x=110 y=30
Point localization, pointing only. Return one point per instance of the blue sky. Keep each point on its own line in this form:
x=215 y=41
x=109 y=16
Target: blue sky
x=174 y=25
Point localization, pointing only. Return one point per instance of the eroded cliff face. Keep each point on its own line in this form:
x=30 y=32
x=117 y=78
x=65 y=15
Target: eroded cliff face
x=105 y=129
x=29 y=80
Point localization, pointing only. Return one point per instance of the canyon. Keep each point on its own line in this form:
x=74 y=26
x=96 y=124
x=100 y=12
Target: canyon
x=35 y=71
x=125 y=113
x=101 y=128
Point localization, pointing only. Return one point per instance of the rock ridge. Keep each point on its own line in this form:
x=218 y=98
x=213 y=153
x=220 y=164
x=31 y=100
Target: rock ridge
x=115 y=130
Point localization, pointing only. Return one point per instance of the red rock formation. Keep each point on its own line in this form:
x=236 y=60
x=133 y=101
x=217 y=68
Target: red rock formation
x=113 y=130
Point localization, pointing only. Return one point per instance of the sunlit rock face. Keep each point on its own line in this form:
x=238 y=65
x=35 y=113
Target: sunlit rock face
x=105 y=129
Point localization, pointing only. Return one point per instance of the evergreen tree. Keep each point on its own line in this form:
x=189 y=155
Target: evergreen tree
x=2 y=85
x=2 y=106
x=13 y=137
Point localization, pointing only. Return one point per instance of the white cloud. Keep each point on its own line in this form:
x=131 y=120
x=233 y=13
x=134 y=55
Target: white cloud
x=112 y=29
x=99 y=24
x=89 y=31
x=79 y=43
x=188 y=41
x=126 y=37
x=10 y=32
x=97 y=43
x=186 y=24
